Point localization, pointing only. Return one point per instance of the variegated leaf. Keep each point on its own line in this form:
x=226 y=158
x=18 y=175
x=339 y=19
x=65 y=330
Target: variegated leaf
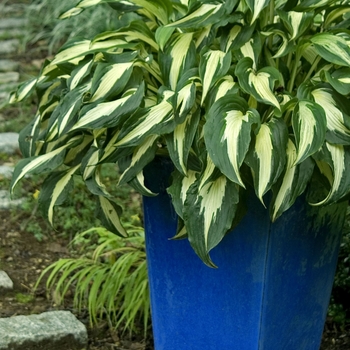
x=138 y=183
x=260 y=84
x=79 y=7
x=109 y=79
x=178 y=189
x=307 y=5
x=210 y=207
x=162 y=9
x=23 y=91
x=28 y=137
x=338 y=158
x=294 y=182
x=79 y=74
x=70 y=51
x=309 y=125
x=109 y=213
x=256 y=6
x=237 y=37
x=155 y=120
x=90 y=162
x=109 y=114
x=40 y=164
x=142 y=155
x=65 y=114
x=54 y=191
x=332 y=48
x=267 y=155
x=184 y=100
x=296 y=22
x=213 y=65
x=179 y=57
x=227 y=134
x=179 y=142
x=338 y=123
x=136 y=31
x=202 y=16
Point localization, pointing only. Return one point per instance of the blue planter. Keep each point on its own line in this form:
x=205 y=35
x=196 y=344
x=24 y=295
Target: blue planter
x=271 y=289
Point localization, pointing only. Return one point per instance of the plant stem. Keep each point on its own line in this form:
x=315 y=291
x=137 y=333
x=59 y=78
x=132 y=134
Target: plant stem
x=294 y=72
x=314 y=65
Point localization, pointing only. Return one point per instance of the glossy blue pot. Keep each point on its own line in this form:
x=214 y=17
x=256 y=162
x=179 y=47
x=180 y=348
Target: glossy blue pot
x=270 y=291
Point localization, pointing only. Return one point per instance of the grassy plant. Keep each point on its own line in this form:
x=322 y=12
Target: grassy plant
x=109 y=278
x=51 y=33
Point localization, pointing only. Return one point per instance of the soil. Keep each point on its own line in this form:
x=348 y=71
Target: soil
x=23 y=257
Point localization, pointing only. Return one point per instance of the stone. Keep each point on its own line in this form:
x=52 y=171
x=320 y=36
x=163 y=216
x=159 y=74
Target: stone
x=6 y=283
x=6 y=171
x=54 y=330
x=9 y=77
x=6 y=23
x=8 y=65
x=9 y=142
x=11 y=33
x=9 y=46
x=6 y=202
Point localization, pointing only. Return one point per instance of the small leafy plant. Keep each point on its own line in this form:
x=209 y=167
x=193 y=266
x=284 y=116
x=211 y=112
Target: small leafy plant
x=238 y=94
x=109 y=278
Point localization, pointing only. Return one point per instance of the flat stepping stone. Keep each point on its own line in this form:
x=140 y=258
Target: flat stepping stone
x=9 y=46
x=7 y=23
x=11 y=33
x=6 y=202
x=8 y=65
x=54 y=330
x=6 y=171
x=6 y=283
x=9 y=142
x=9 y=77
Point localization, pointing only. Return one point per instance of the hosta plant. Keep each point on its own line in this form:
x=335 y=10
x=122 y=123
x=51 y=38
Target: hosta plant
x=238 y=94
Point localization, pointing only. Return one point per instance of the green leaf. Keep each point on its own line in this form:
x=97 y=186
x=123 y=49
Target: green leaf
x=54 y=191
x=108 y=212
x=338 y=123
x=340 y=80
x=332 y=48
x=210 y=207
x=109 y=114
x=227 y=134
x=309 y=126
x=267 y=155
x=338 y=159
x=293 y=184
x=260 y=84
x=147 y=122
x=214 y=64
